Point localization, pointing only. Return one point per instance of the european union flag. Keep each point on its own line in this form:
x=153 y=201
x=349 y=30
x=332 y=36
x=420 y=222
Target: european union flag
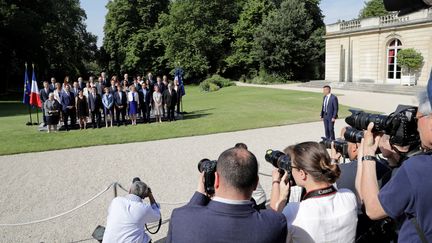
x=178 y=74
x=27 y=88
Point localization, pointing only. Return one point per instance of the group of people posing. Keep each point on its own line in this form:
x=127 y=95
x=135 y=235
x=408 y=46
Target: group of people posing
x=115 y=101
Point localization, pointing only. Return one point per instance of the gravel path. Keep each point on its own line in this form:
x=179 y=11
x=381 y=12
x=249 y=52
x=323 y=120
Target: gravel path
x=40 y=185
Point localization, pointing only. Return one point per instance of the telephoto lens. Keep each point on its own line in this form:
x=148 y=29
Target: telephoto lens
x=281 y=161
x=353 y=135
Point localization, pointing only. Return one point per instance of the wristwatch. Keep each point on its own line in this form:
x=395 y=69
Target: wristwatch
x=369 y=157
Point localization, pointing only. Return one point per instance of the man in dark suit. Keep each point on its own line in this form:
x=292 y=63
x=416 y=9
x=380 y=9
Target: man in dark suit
x=68 y=107
x=145 y=98
x=170 y=98
x=120 y=104
x=81 y=84
x=44 y=95
x=329 y=112
x=230 y=215
x=52 y=86
x=75 y=89
x=95 y=104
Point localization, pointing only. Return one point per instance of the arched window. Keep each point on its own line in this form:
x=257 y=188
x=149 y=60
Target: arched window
x=393 y=70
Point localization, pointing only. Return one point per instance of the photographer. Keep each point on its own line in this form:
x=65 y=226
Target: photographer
x=229 y=215
x=407 y=196
x=127 y=215
x=325 y=214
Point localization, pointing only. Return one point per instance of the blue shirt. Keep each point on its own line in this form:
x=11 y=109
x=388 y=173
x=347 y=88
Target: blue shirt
x=410 y=192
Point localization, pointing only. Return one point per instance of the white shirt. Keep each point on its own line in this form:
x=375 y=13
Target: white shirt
x=126 y=218
x=230 y=201
x=326 y=102
x=259 y=195
x=331 y=218
x=133 y=96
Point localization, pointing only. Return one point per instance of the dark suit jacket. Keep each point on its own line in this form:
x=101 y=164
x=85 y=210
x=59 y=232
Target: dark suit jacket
x=95 y=103
x=122 y=101
x=82 y=85
x=204 y=220
x=170 y=99
x=67 y=100
x=332 y=108
x=44 y=95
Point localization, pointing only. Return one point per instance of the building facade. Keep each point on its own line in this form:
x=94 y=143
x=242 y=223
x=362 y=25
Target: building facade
x=365 y=50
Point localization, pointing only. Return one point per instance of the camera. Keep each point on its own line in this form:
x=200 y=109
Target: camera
x=209 y=168
x=353 y=135
x=399 y=125
x=341 y=146
x=281 y=161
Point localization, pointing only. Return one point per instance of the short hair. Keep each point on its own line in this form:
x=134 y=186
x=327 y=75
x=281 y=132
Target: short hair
x=327 y=86
x=139 y=189
x=241 y=145
x=424 y=103
x=239 y=168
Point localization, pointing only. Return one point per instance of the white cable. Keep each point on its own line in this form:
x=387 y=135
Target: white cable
x=59 y=215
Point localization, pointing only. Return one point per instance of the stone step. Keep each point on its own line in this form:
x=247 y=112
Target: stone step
x=369 y=87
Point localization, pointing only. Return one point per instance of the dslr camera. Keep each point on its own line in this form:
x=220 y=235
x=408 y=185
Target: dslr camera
x=281 y=161
x=209 y=168
x=353 y=135
x=341 y=146
x=399 y=125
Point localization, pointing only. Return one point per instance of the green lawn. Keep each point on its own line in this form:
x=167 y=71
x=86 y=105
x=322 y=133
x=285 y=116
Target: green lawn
x=229 y=109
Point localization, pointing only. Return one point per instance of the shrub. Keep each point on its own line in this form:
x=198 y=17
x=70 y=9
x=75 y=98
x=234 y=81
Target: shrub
x=266 y=78
x=214 y=83
x=409 y=59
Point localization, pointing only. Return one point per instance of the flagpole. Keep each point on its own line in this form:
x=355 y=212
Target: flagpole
x=29 y=123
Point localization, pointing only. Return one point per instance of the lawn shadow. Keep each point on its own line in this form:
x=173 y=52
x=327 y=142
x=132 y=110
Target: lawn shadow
x=197 y=114
x=15 y=108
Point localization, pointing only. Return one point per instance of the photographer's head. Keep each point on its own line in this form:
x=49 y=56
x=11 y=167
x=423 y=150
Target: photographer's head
x=236 y=174
x=391 y=152
x=311 y=165
x=352 y=148
x=139 y=189
x=424 y=121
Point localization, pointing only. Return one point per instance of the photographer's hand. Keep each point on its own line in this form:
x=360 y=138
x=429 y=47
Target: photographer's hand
x=371 y=141
x=275 y=191
x=284 y=189
x=334 y=155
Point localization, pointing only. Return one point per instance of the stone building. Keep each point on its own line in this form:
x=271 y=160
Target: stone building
x=365 y=50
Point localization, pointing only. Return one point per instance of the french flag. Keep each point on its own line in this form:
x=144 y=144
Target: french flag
x=34 y=93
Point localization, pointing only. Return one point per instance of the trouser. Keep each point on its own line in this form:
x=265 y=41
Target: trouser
x=179 y=98
x=44 y=117
x=171 y=110
x=145 y=110
x=122 y=112
x=163 y=109
x=69 y=113
x=329 y=128
x=96 y=118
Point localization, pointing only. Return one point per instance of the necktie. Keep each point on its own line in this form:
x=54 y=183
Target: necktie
x=325 y=103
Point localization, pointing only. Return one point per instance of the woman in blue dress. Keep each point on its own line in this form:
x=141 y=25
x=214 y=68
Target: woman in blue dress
x=133 y=100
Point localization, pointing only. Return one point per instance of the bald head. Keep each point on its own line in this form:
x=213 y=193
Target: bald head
x=239 y=169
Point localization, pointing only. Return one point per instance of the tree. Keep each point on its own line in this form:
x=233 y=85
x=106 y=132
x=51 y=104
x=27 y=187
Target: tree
x=129 y=34
x=52 y=34
x=197 y=35
x=373 y=8
x=244 y=60
x=289 y=41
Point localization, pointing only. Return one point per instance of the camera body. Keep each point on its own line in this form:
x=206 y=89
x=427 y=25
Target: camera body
x=209 y=168
x=281 y=161
x=399 y=125
x=341 y=146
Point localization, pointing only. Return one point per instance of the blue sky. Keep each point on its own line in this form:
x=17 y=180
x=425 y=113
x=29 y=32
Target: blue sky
x=332 y=9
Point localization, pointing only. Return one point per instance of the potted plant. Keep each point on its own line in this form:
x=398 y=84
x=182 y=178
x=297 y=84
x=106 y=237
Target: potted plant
x=410 y=61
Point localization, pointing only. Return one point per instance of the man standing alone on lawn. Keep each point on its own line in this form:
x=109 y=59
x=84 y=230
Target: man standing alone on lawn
x=329 y=112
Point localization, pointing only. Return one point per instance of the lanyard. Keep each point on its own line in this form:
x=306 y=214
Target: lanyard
x=320 y=193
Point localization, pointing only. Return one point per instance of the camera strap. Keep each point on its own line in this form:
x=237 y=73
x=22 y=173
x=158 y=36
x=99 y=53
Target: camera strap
x=320 y=192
